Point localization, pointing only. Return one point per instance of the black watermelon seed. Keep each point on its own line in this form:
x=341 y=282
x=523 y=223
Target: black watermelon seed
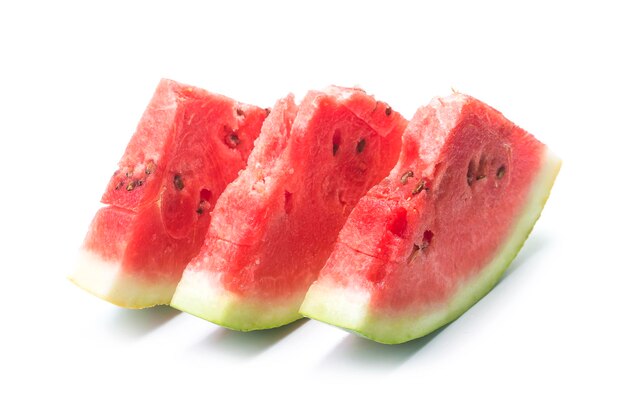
x=360 y=146
x=178 y=182
x=405 y=177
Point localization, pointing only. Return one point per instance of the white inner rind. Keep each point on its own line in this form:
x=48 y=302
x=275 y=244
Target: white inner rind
x=202 y=294
x=348 y=307
x=104 y=279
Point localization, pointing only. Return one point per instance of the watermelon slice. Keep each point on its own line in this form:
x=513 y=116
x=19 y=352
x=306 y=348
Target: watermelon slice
x=274 y=227
x=434 y=237
x=188 y=146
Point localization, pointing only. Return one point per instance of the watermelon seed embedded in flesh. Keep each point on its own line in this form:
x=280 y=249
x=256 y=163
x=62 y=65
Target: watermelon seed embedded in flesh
x=481 y=174
x=405 y=177
x=427 y=238
x=150 y=168
x=205 y=197
x=131 y=186
x=420 y=186
x=500 y=172
x=471 y=172
x=336 y=141
x=413 y=254
x=360 y=146
x=178 y=182
x=388 y=111
x=234 y=139
x=201 y=207
x=231 y=139
x=239 y=112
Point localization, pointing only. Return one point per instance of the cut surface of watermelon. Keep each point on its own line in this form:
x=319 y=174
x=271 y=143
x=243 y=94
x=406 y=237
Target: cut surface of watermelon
x=434 y=237
x=274 y=227
x=187 y=147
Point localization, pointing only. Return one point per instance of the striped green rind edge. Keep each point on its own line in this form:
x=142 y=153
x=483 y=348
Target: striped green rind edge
x=201 y=294
x=348 y=307
x=106 y=280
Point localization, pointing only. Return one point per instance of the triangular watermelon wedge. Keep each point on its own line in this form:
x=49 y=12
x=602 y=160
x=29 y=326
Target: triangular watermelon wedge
x=188 y=146
x=435 y=236
x=274 y=227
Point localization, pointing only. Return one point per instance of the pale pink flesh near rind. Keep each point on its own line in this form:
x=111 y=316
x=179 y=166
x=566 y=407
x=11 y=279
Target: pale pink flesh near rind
x=104 y=278
x=367 y=285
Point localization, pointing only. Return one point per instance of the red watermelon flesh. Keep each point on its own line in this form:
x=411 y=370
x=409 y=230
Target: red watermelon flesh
x=433 y=237
x=187 y=147
x=274 y=227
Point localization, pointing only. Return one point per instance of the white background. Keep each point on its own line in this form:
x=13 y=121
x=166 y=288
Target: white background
x=549 y=340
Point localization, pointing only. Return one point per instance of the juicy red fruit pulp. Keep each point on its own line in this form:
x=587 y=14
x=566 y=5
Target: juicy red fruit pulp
x=274 y=227
x=462 y=178
x=188 y=146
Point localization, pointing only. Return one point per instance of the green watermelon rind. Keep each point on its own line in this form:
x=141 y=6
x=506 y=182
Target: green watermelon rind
x=102 y=278
x=347 y=307
x=198 y=294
